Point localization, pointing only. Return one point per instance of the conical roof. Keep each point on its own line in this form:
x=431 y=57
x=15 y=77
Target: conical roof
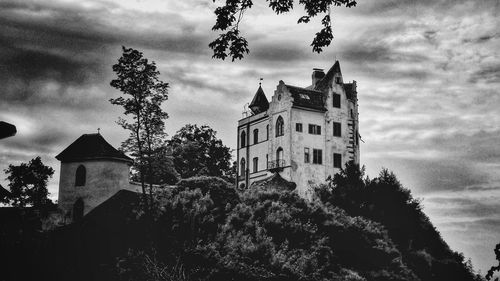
x=259 y=103
x=91 y=147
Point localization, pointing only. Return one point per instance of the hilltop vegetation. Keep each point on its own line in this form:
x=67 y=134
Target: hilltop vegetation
x=355 y=228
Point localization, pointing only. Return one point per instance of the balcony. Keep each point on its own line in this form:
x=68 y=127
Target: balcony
x=276 y=165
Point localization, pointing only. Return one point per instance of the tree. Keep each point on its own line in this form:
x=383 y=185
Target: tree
x=494 y=268
x=143 y=96
x=28 y=183
x=197 y=151
x=228 y=17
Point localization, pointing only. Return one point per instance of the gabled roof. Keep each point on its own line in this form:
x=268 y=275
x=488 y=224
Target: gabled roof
x=7 y=130
x=307 y=98
x=259 y=103
x=327 y=80
x=91 y=147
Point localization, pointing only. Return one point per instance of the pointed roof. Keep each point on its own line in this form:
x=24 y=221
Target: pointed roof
x=91 y=147
x=327 y=80
x=259 y=103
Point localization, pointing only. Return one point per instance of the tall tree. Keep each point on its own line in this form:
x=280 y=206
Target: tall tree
x=143 y=95
x=197 y=151
x=231 y=43
x=28 y=183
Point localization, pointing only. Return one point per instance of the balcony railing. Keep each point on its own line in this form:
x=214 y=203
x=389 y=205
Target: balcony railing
x=276 y=164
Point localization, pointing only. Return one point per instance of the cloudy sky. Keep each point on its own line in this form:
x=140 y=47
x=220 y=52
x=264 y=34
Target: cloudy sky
x=428 y=76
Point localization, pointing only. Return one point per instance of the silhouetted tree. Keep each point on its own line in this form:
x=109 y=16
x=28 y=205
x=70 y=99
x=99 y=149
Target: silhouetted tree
x=229 y=15
x=198 y=152
x=143 y=95
x=494 y=268
x=28 y=183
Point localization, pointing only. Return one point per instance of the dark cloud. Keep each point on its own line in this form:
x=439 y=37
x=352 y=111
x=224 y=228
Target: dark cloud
x=487 y=74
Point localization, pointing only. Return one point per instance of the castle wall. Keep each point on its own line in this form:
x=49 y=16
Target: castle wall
x=103 y=179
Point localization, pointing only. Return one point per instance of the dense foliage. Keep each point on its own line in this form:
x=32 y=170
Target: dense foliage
x=384 y=200
x=198 y=152
x=28 y=184
x=204 y=229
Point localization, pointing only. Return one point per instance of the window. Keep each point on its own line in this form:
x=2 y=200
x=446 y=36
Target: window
x=267 y=132
x=336 y=100
x=298 y=127
x=306 y=154
x=337 y=160
x=255 y=164
x=314 y=129
x=337 y=129
x=338 y=80
x=279 y=157
x=255 y=136
x=80 y=177
x=242 y=167
x=243 y=139
x=279 y=126
x=267 y=161
x=317 y=156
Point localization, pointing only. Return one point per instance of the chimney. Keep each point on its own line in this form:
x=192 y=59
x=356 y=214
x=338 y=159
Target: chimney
x=317 y=75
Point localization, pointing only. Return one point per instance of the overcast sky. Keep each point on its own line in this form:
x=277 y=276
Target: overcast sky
x=428 y=85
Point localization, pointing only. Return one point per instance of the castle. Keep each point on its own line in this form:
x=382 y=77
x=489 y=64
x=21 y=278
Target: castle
x=304 y=134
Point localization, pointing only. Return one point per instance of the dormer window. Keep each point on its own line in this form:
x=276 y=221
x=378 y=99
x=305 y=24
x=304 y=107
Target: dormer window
x=80 y=176
x=338 y=80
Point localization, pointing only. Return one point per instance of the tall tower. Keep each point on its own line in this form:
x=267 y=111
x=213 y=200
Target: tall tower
x=91 y=171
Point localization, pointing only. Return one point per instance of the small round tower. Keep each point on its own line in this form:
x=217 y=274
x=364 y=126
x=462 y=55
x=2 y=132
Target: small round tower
x=91 y=172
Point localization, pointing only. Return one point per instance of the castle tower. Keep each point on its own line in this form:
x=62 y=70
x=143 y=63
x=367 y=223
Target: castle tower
x=91 y=172
x=305 y=134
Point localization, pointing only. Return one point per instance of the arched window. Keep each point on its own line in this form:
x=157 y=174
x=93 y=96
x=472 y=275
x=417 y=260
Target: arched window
x=279 y=157
x=242 y=167
x=255 y=136
x=81 y=174
x=78 y=209
x=243 y=139
x=279 y=126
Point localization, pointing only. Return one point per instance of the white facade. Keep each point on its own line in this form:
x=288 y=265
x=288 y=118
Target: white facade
x=286 y=151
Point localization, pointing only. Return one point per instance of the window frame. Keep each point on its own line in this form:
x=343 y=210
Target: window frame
x=337 y=129
x=255 y=136
x=317 y=156
x=314 y=129
x=243 y=139
x=337 y=162
x=280 y=126
x=255 y=164
x=336 y=100
x=307 y=155
x=80 y=175
x=299 y=127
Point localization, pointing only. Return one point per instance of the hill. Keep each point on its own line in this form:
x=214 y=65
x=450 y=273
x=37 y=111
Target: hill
x=354 y=228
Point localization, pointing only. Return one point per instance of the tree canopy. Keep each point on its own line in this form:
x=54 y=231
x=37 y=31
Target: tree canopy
x=198 y=152
x=28 y=183
x=230 y=43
